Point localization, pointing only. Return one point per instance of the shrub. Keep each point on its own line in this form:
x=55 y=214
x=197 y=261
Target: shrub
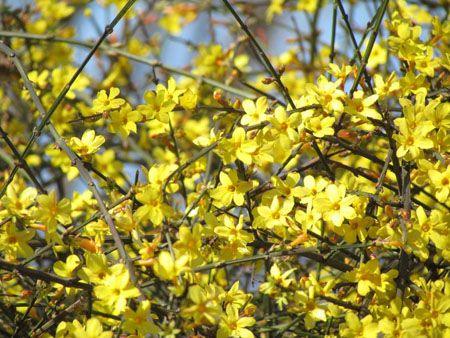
x=249 y=193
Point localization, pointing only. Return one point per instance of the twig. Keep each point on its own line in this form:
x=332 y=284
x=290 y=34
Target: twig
x=58 y=318
x=404 y=260
x=310 y=253
x=261 y=54
x=44 y=276
x=379 y=185
x=22 y=161
x=356 y=47
x=373 y=36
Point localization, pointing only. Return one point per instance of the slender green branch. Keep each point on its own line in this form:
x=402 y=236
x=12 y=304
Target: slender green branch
x=333 y=31
x=261 y=54
x=404 y=259
x=368 y=51
x=14 y=150
x=355 y=46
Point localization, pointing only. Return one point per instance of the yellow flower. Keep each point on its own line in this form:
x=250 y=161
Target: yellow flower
x=169 y=268
x=311 y=188
x=369 y=277
x=18 y=200
x=309 y=6
x=320 y=126
x=156 y=106
x=354 y=327
x=116 y=289
x=96 y=269
x=212 y=61
x=412 y=142
x=309 y=220
x=441 y=182
x=328 y=95
x=361 y=106
x=92 y=329
x=233 y=232
x=357 y=228
x=189 y=242
x=287 y=188
x=234 y=297
x=189 y=100
x=254 y=113
x=231 y=325
x=54 y=10
x=124 y=120
x=15 y=243
x=138 y=321
x=171 y=93
x=412 y=83
x=238 y=146
x=283 y=124
x=67 y=269
x=276 y=280
x=388 y=88
x=275 y=215
x=50 y=211
x=177 y=16
x=109 y=102
x=158 y=174
x=88 y=145
x=153 y=208
x=234 y=237
x=341 y=73
x=440 y=117
x=427 y=62
x=309 y=304
x=40 y=80
x=335 y=205
x=231 y=189
x=203 y=306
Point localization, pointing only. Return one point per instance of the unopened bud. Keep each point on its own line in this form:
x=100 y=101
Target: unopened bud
x=268 y=80
x=237 y=104
x=406 y=214
x=389 y=211
x=219 y=97
x=348 y=135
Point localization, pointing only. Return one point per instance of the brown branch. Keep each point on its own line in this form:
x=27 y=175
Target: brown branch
x=44 y=276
